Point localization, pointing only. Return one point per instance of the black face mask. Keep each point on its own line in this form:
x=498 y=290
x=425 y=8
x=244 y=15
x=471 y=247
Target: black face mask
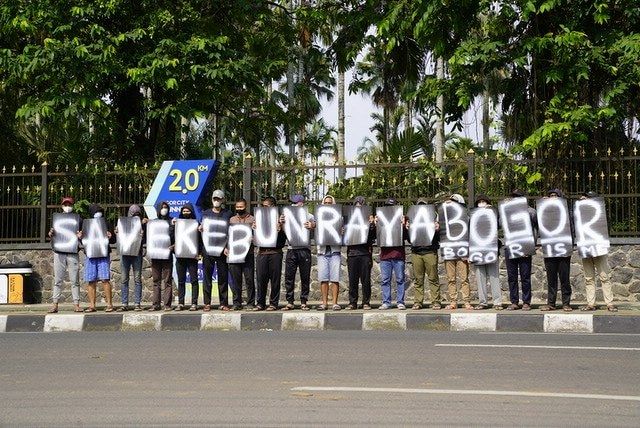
x=241 y=212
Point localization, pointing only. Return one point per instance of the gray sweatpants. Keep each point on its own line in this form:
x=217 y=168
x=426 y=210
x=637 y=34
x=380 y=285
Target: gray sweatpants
x=488 y=273
x=61 y=263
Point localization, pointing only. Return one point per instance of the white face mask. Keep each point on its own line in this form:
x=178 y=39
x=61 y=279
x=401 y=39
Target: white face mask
x=67 y=209
x=97 y=215
x=482 y=204
x=164 y=211
x=217 y=204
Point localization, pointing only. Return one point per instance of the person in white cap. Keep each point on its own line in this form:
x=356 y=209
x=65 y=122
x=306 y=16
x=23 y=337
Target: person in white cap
x=458 y=268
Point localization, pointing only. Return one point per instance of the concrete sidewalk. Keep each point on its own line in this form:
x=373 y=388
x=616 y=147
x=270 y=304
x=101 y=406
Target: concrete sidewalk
x=33 y=318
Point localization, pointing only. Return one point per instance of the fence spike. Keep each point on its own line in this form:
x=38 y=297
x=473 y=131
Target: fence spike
x=109 y=188
x=635 y=151
x=66 y=168
x=602 y=175
x=28 y=189
x=119 y=187
x=4 y=169
x=609 y=151
x=589 y=175
x=622 y=151
x=13 y=169
x=91 y=187
x=145 y=165
x=33 y=168
x=24 y=168
x=139 y=186
x=629 y=175
x=18 y=189
x=577 y=175
x=615 y=176
x=71 y=188
x=595 y=152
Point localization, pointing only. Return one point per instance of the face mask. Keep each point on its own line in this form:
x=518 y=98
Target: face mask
x=164 y=211
x=186 y=213
x=217 y=204
x=482 y=204
x=97 y=215
x=67 y=209
x=241 y=212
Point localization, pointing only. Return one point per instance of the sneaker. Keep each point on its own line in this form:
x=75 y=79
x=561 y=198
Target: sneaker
x=336 y=307
x=179 y=307
x=123 y=308
x=350 y=307
x=384 y=307
x=401 y=306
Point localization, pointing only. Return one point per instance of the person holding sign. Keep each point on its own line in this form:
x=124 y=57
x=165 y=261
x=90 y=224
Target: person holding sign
x=458 y=265
x=596 y=257
x=424 y=235
x=214 y=257
x=391 y=232
x=486 y=270
x=161 y=262
x=65 y=257
x=359 y=256
x=518 y=262
x=245 y=268
x=96 y=238
x=329 y=257
x=185 y=261
x=128 y=262
x=269 y=258
x=555 y=237
x=298 y=223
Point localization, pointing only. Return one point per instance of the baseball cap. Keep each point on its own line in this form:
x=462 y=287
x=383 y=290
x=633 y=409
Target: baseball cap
x=457 y=198
x=390 y=201
x=217 y=194
x=359 y=200
x=67 y=200
x=422 y=201
x=296 y=199
x=517 y=193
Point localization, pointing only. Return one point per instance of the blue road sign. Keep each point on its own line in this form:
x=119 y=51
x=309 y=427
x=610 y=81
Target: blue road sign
x=181 y=182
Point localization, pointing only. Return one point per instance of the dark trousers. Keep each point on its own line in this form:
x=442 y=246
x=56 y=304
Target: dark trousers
x=238 y=271
x=359 y=272
x=558 y=267
x=182 y=265
x=297 y=258
x=269 y=268
x=161 y=274
x=220 y=262
x=522 y=265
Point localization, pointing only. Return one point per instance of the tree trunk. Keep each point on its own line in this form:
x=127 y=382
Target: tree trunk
x=341 y=142
x=486 y=120
x=440 y=112
x=184 y=132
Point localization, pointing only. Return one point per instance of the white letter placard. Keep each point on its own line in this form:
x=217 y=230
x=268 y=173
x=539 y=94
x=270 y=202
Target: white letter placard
x=422 y=225
x=454 y=230
x=129 y=236
x=186 y=238
x=554 y=227
x=94 y=237
x=65 y=229
x=294 y=220
x=240 y=237
x=356 y=229
x=592 y=231
x=158 y=239
x=483 y=236
x=519 y=240
x=266 y=233
x=214 y=235
x=389 y=230
x=329 y=224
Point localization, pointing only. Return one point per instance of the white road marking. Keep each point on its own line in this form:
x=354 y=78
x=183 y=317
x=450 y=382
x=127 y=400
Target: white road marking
x=482 y=345
x=467 y=392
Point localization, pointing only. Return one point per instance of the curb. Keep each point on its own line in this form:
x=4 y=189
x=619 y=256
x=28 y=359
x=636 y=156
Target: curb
x=304 y=321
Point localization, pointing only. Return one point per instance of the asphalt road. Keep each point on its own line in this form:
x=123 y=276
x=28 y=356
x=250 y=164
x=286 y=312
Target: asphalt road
x=273 y=379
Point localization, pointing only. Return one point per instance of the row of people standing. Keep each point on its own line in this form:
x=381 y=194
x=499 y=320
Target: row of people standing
x=267 y=263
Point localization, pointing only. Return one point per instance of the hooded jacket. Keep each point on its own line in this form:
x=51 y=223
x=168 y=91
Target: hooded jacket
x=135 y=210
x=166 y=218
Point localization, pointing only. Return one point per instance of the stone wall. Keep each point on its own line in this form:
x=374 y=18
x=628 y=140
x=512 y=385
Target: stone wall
x=624 y=261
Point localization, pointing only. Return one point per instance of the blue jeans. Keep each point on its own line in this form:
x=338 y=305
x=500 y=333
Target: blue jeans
x=388 y=267
x=127 y=263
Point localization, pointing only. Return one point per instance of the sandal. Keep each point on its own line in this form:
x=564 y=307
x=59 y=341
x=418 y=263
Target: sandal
x=350 y=307
x=224 y=308
x=53 y=310
x=90 y=310
x=526 y=307
x=468 y=306
x=611 y=308
x=451 y=306
x=336 y=307
x=366 y=307
x=416 y=306
x=587 y=308
x=78 y=309
x=436 y=306
x=305 y=307
x=122 y=309
x=258 y=308
x=109 y=309
x=567 y=308
x=321 y=308
x=498 y=307
x=206 y=308
x=546 y=308
x=480 y=307
x=513 y=307
x=193 y=308
x=271 y=308
x=289 y=306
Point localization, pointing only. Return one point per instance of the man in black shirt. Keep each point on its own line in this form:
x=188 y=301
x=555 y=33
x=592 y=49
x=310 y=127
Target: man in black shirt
x=359 y=263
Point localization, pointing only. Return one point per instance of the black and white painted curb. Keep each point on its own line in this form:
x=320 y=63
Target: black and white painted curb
x=551 y=323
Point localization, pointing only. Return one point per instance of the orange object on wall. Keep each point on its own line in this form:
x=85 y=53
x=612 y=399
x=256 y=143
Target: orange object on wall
x=16 y=288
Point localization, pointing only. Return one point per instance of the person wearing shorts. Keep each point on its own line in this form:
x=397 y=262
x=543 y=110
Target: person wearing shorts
x=98 y=269
x=329 y=269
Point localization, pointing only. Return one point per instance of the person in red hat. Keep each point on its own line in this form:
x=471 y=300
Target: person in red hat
x=63 y=263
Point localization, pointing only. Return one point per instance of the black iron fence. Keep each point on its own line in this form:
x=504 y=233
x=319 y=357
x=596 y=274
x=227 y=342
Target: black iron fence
x=29 y=195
